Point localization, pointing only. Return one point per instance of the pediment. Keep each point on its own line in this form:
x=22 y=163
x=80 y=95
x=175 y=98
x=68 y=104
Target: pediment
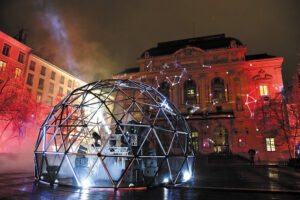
x=262 y=75
x=189 y=52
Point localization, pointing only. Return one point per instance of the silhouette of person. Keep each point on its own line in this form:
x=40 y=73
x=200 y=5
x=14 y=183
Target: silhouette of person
x=251 y=153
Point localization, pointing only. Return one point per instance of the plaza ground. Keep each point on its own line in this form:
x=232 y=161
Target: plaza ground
x=213 y=180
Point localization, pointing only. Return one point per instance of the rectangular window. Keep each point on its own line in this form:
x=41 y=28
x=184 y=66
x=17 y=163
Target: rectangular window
x=51 y=88
x=18 y=73
x=30 y=79
x=39 y=97
x=195 y=145
x=194 y=134
x=53 y=75
x=43 y=70
x=242 y=142
x=270 y=143
x=6 y=49
x=32 y=66
x=62 y=79
x=69 y=83
x=21 y=57
x=2 y=66
x=41 y=84
x=60 y=90
x=195 y=140
x=263 y=90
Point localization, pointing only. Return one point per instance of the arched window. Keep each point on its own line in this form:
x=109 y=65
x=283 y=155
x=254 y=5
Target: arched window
x=218 y=90
x=189 y=88
x=164 y=88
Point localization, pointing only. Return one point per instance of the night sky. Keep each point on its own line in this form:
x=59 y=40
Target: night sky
x=95 y=39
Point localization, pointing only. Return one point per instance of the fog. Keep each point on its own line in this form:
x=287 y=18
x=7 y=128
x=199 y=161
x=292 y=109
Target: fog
x=16 y=154
x=96 y=39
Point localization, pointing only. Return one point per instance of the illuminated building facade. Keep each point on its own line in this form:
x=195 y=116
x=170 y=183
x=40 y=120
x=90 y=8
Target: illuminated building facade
x=293 y=109
x=39 y=76
x=13 y=58
x=47 y=81
x=223 y=93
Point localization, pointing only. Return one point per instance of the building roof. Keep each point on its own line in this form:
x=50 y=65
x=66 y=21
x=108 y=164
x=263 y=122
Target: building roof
x=14 y=41
x=207 y=42
x=129 y=70
x=258 y=56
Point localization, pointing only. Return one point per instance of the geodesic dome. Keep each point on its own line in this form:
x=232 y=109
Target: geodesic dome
x=114 y=133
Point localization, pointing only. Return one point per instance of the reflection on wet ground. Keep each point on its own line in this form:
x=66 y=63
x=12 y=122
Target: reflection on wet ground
x=210 y=182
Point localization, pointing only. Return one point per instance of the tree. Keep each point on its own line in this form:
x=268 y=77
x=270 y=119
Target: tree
x=18 y=107
x=293 y=110
x=272 y=120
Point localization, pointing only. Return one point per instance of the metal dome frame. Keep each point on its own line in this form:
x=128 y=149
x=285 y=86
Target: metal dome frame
x=114 y=133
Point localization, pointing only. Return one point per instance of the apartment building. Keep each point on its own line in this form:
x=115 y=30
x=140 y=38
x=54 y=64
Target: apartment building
x=13 y=58
x=47 y=81
x=19 y=64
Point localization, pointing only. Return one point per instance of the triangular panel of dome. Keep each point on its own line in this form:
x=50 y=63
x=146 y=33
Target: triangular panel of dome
x=177 y=147
x=134 y=176
x=150 y=144
x=55 y=143
x=176 y=164
x=165 y=136
x=185 y=173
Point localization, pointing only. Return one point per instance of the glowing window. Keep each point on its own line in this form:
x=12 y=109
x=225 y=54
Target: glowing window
x=270 y=143
x=263 y=89
x=189 y=88
x=195 y=145
x=191 y=92
x=39 y=97
x=195 y=140
x=2 y=66
x=18 y=73
x=194 y=134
